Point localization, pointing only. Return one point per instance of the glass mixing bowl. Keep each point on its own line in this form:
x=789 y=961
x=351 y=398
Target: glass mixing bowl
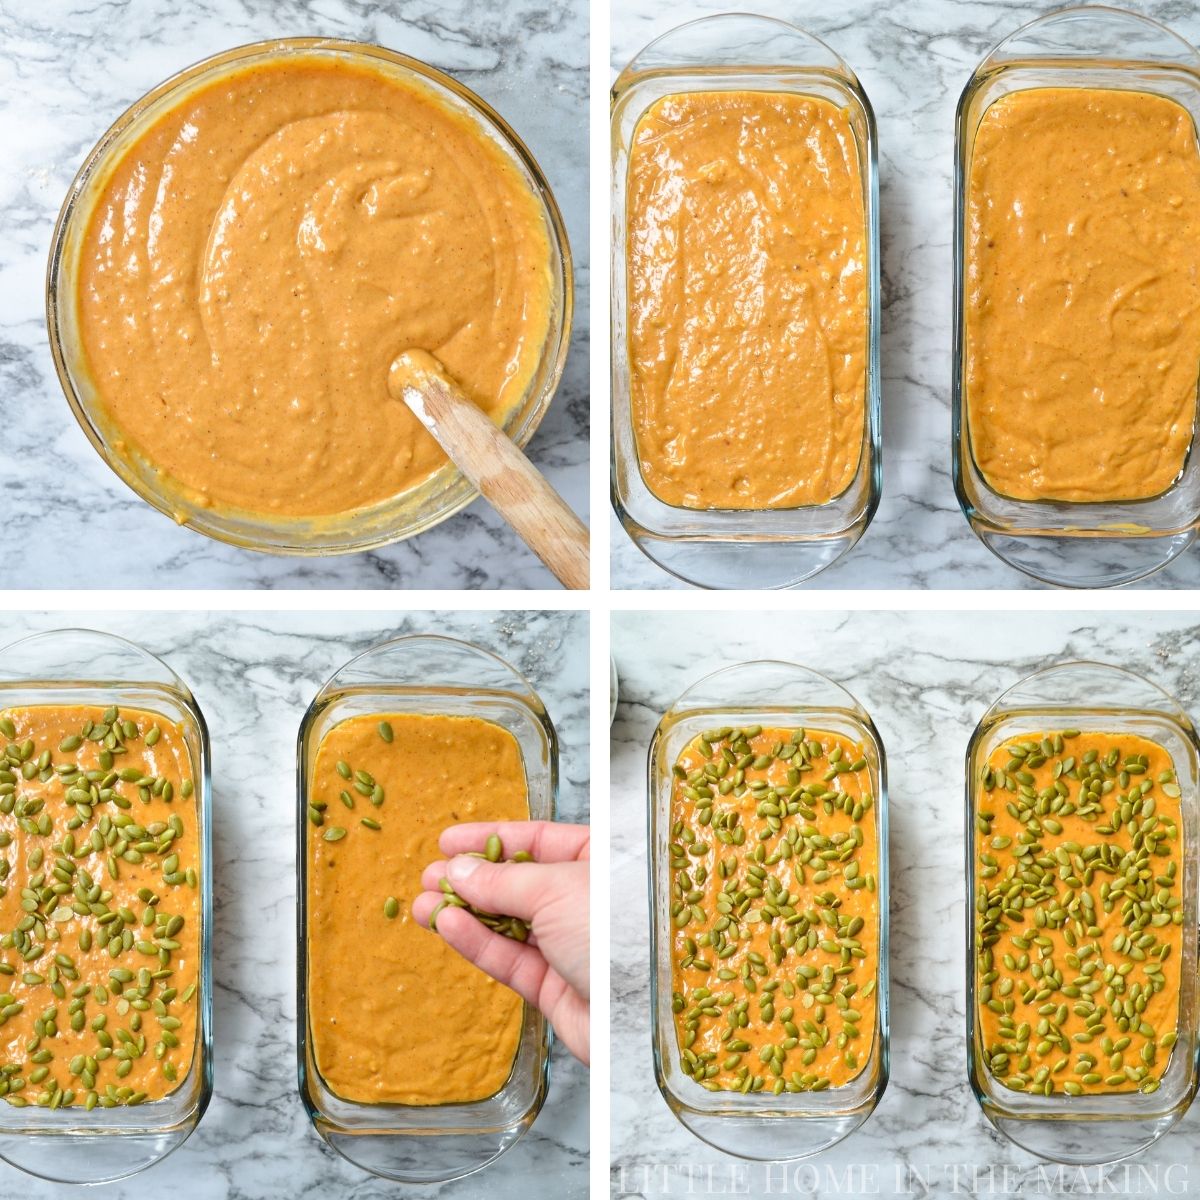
x=402 y=516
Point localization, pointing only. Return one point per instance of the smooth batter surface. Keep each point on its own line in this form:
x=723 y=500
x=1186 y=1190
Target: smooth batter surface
x=747 y=293
x=397 y=1017
x=775 y=947
x=1079 y=861
x=267 y=247
x=99 y=907
x=1082 y=308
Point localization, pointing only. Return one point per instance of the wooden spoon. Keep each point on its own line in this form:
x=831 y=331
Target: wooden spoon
x=488 y=458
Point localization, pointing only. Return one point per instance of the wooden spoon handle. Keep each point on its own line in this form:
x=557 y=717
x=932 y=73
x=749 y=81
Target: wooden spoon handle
x=492 y=462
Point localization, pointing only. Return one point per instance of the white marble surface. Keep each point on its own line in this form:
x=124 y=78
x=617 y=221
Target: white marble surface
x=926 y=679
x=254 y=675
x=68 y=68
x=913 y=60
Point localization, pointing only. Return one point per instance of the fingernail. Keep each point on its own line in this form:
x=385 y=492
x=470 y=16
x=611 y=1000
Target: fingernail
x=462 y=867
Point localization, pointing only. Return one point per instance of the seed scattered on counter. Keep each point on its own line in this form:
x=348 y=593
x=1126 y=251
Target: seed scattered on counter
x=1079 y=912
x=774 y=909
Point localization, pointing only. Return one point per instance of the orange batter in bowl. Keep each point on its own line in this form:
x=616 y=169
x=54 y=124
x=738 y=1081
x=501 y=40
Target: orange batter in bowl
x=1082 y=294
x=263 y=250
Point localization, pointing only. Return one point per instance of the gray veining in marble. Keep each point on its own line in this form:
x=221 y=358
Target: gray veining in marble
x=254 y=675
x=913 y=59
x=926 y=679
x=68 y=68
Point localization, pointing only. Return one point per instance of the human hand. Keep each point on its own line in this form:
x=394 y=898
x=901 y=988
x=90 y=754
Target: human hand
x=550 y=894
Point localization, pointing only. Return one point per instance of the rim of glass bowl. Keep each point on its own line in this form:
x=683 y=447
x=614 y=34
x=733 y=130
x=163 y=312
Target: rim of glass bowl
x=403 y=516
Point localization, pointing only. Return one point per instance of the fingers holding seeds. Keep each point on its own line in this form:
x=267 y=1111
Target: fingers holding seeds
x=427 y=908
x=435 y=876
x=494 y=917
x=432 y=876
x=547 y=841
x=509 y=962
x=519 y=889
x=423 y=906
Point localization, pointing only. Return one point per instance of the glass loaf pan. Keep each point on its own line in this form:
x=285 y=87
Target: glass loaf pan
x=429 y=675
x=1091 y=1129
x=1070 y=544
x=769 y=548
x=761 y=1125
x=72 y=1145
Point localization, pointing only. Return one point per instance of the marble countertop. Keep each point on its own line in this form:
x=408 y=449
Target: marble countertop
x=67 y=70
x=913 y=60
x=925 y=703
x=253 y=676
